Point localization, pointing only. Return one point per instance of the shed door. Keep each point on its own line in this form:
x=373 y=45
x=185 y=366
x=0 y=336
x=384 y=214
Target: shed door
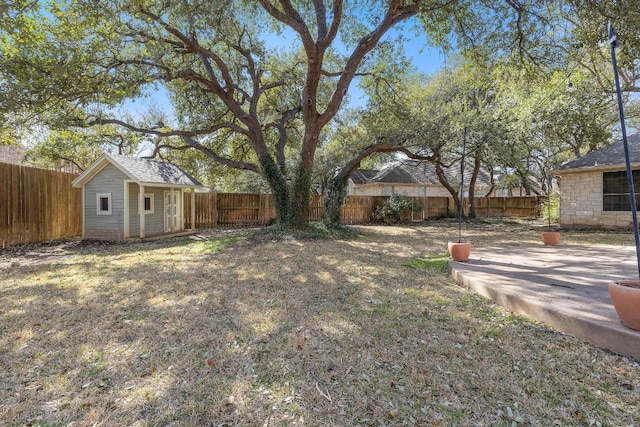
x=171 y=210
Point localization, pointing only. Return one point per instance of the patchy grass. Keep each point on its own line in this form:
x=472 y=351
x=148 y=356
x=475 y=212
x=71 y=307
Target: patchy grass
x=315 y=230
x=235 y=329
x=212 y=246
x=435 y=263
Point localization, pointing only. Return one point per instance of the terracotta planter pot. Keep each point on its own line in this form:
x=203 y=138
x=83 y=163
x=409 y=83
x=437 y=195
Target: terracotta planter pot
x=550 y=238
x=625 y=296
x=459 y=251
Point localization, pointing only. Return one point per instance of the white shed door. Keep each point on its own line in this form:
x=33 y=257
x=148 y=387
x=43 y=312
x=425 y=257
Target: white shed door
x=171 y=204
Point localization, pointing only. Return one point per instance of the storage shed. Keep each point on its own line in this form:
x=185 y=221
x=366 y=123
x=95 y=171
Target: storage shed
x=126 y=197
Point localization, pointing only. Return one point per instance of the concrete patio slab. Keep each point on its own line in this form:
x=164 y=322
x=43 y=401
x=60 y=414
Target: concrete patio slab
x=565 y=287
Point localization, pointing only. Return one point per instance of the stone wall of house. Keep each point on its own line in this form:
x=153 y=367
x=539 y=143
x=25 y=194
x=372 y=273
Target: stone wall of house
x=581 y=203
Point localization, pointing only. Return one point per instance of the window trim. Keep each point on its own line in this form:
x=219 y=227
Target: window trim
x=152 y=204
x=100 y=211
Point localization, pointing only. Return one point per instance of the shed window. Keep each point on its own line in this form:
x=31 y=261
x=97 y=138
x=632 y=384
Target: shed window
x=615 y=191
x=103 y=204
x=148 y=203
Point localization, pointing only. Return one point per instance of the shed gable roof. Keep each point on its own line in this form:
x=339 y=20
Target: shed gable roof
x=605 y=157
x=142 y=171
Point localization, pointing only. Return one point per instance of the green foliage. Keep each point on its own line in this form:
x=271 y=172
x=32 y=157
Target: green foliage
x=212 y=246
x=588 y=34
x=337 y=191
x=552 y=207
x=234 y=98
x=278 y=185
x=236 y=181
x=437 y=263
x=395 y=209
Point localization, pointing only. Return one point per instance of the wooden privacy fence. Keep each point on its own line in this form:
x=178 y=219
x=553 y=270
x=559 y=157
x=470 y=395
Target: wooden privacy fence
x=498 y=207
x=37 y=205
x=226 y=209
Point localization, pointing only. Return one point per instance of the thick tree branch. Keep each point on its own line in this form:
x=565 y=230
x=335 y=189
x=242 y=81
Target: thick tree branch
x=290 y=17
x=321 y=19
x=164 y=133
x=219 y=159
x=397 y=12
x=379 y=147
x=282 y=132
x=337 y=18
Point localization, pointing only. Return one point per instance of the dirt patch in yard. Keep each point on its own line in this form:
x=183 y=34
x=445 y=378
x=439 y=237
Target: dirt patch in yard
x=229 y=329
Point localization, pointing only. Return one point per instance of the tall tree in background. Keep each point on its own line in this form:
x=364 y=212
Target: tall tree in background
x=586 y=36
x=236 y=100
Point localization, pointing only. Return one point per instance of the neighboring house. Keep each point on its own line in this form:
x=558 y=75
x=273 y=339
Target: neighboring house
x=411 y=178
x=125 y=197
x=12 y=154
x=594 y=190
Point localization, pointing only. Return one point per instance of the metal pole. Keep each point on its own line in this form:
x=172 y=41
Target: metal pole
x=464 y=147
x=613 y=42
x=549 y=200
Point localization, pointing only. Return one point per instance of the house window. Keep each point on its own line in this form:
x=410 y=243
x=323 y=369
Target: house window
x=148 y=203
x=103 y=204
x=615 y=191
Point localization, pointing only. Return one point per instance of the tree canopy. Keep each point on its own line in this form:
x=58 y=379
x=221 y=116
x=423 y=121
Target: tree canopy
x=238 y=99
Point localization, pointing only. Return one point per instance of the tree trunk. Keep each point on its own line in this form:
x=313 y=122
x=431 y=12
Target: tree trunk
x=336 y=192
x=445 y=182
x=300 y=201
x=278 y=185
x=472 y=183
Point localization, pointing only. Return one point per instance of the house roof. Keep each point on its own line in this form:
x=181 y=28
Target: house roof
x=11 y=154
x=414 y=172
x=362 y=176
x=605 y=158
x=145 y=172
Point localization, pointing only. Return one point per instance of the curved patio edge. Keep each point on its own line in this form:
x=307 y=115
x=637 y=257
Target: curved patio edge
x=568 y=293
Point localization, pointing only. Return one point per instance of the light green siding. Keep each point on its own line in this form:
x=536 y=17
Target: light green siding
x=153 y=222
x=105 y=227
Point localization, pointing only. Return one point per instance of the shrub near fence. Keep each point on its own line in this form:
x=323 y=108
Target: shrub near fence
x=37 y=205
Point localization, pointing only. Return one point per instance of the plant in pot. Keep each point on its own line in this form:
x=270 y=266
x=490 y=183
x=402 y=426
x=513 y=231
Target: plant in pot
x=625 y=295
x=460 y=250
x=550 y=237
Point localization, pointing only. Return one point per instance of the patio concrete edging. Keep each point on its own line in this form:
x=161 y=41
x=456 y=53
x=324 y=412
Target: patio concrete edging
x=538 y=302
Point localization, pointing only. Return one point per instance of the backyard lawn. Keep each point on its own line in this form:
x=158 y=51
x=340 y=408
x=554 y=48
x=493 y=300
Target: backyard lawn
x=238 y=329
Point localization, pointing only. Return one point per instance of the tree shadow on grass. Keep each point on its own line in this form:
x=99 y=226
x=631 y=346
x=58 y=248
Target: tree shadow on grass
x=280 y=333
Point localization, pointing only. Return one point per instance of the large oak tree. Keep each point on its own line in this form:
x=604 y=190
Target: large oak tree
x=236 y=98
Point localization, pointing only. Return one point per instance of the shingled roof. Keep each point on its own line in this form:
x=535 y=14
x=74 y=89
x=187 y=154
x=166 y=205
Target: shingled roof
x=11 y=154
x=142 y=171
x=606 y=157
x=362 y=176
x=413 y=172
